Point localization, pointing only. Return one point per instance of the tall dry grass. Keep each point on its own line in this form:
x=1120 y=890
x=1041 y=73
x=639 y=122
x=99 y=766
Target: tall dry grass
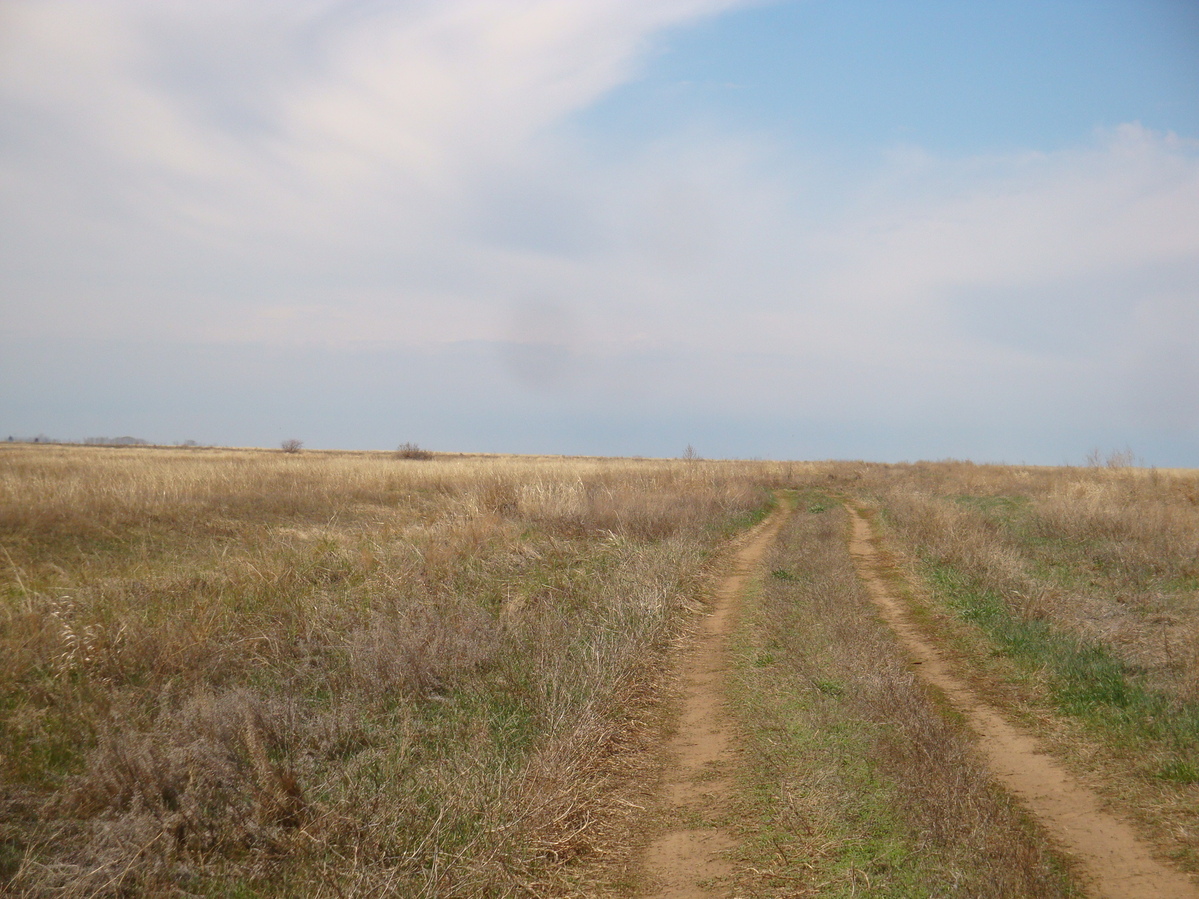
x=335 y=674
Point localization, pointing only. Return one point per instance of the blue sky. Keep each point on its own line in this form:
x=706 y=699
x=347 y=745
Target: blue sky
x=781 y=230
x=953 y=77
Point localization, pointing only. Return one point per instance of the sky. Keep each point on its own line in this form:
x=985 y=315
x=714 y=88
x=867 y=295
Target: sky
x=816 y=229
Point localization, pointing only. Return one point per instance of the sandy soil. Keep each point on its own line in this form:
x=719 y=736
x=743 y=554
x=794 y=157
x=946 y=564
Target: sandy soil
x=1117 y=863
x=689 y=860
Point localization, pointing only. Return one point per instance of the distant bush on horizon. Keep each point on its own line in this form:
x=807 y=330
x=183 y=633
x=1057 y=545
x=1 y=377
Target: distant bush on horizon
x=412 y=451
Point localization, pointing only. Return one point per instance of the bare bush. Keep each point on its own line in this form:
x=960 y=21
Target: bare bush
x=292 y=445
x=1115 y=459
x=412 y=451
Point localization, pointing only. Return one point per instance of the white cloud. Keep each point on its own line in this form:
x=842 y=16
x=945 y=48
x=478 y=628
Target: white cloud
x=313 y=140
x=923 y=241
x=1127 y=201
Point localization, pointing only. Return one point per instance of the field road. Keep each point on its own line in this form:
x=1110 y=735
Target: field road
x=697 y=786
x=1115 y=862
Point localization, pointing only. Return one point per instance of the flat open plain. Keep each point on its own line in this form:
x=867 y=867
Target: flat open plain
x=251 y=673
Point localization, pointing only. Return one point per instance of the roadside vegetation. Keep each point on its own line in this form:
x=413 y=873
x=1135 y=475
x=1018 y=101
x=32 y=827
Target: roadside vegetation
x=1073 y=595
x=240 y=673
x=855 y=782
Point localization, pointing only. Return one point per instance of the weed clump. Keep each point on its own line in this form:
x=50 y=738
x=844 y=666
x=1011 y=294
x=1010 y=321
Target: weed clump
x=412 y=451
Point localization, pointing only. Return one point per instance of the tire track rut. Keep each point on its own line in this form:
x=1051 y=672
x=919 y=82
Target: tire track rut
x=689 y=859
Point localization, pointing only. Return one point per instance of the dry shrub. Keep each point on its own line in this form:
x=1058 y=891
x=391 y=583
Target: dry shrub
x=947 y=791
x=411 y=450
x=1129 y=523
x=419 y=648
x=951 y=535
x=643 y=509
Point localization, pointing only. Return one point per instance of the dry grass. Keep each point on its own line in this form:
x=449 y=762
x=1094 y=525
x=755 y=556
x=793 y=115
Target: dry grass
x=257 y=673
x=856 y=781
x=1075 y=594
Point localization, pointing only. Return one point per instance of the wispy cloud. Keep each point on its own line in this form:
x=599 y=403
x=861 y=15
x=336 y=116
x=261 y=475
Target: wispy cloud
x=322 y=155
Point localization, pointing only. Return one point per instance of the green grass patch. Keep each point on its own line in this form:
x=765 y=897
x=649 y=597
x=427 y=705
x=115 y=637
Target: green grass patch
x=745 y=520
x=1084 y=680
x=813 y=808
x=1182 y=771
x=828 y=687
x=40 y=745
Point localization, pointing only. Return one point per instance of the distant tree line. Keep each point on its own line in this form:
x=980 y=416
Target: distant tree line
x=115 y=441
x=40 y=438
x=87 y=441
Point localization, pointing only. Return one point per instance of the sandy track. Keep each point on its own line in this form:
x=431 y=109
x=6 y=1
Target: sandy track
x=1117 y=863
x=687 y=861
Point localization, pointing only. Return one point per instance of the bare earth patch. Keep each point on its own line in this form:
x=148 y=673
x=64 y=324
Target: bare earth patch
x=1118 y=864
x=691 y=857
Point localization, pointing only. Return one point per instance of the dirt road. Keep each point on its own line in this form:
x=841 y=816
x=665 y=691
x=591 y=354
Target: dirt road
x=1115 y=861
x=687 y=861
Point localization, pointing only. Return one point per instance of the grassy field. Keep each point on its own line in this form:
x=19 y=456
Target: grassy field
x=250 y=673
